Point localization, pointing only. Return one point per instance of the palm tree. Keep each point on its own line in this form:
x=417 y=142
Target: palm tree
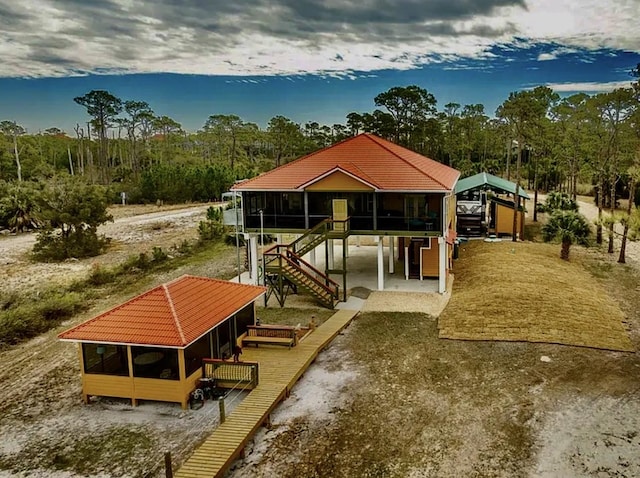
x=569 y=227
x=19 y=209
x=557 y=200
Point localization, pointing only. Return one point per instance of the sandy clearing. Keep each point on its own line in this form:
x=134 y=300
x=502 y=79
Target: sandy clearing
x=130 y=235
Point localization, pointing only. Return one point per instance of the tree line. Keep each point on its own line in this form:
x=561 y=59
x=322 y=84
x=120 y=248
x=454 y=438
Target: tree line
x=536 y=138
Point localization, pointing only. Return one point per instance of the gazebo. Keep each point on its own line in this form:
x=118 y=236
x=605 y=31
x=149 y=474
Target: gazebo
x=152 y=346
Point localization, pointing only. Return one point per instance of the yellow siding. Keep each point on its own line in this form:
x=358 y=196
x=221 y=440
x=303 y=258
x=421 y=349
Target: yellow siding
x=451 y=213
x=138 y=388
x=430 y=259
x=339 y=207
x=338 y=182
x=157 y=389
x=107 y=386
x=504 y=220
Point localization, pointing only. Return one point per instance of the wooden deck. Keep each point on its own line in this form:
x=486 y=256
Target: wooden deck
x=280 y=369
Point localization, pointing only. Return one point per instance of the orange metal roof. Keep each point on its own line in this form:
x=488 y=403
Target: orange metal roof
x=170 y=315
x=376 y=161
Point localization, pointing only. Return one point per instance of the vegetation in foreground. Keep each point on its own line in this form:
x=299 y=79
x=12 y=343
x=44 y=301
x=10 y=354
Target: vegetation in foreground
x=26 y=315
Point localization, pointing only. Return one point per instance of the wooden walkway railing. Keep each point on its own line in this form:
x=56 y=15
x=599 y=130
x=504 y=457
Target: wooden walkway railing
x=280 y=369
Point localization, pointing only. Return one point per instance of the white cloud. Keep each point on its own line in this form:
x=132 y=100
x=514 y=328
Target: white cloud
x=293 y=37
x=588 y=87
x=547 y=56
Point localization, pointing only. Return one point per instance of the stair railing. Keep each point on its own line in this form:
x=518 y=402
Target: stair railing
x=322 y=228
x=316 y=276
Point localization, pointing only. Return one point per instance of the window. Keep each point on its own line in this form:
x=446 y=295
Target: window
x=154 y=362
x=105 y=359
x=195 y=352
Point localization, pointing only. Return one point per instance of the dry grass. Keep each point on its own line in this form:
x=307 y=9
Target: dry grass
x=524 y=292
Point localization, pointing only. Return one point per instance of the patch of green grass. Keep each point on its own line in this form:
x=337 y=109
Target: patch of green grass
x=28 y=316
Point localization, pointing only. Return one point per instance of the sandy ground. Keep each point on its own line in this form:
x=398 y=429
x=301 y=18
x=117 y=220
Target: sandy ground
x=46 y=430
x=131 y=233
x=493 y=409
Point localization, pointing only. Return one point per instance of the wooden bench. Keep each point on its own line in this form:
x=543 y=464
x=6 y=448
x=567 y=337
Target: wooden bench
x=230 y=374
x=270 y=335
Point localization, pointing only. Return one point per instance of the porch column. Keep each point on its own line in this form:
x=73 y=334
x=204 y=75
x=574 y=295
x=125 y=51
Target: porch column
x=253 y=258
x=278 y=238
x=134 y=401
x=442 y=265
x=392 y=264
x=306 y=210
x=406 y=260
x=380 y=263
x=312 y=257
x=375 y=212
x=330 y=248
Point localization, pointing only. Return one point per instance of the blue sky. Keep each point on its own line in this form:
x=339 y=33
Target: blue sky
x=309 y=60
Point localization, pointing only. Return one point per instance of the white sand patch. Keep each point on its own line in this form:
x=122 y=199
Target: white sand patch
x=591 y=437
x=324 y=388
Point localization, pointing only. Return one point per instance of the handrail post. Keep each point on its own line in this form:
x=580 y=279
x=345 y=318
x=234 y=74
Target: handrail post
x=223 y=415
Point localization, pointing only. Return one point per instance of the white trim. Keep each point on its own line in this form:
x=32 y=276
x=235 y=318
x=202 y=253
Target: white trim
x=442 y=263
x=269 y=190
x=414 y=191
x=380 y=264
x=377 y=190
x=330 y=172
x=253 y=257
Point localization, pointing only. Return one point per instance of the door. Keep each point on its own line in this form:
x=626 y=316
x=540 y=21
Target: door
x=340 y=213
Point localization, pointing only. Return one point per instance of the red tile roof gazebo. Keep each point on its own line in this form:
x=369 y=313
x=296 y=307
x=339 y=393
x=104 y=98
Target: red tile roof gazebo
x=176 y=324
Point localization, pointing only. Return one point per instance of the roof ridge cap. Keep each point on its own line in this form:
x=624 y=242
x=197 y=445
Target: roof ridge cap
x=374 y=138
x=174 y=313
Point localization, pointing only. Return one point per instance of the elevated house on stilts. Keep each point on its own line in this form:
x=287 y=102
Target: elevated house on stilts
x=362 y=186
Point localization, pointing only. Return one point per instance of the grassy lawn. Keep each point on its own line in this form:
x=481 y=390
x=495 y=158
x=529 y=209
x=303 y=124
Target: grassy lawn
x=525 y=292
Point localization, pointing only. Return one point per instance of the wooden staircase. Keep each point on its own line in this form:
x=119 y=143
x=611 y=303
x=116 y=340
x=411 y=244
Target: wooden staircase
x=286 y=271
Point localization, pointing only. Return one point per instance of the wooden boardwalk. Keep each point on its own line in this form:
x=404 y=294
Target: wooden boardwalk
x=280 y=369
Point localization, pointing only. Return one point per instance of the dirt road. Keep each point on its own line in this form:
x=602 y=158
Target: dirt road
x=130 y=234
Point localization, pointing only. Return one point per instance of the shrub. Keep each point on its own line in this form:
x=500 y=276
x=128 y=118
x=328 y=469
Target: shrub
x=54 y=246
x=230 y=240
x=213 y=228
x=100 y=275
x=158 y=255
x=27 y=319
